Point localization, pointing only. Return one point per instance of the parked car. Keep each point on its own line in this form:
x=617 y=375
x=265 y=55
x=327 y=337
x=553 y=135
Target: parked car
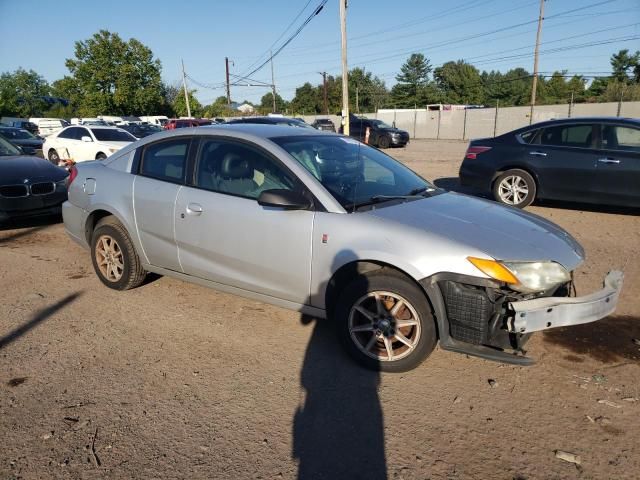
x=324 y=124
x=29 y=186
x=157 y=120
x=275 y=120
x=81 y=143
x=174 y=123
x=49 y=126
x=28 y=143
x=141 y=130
x=330 y=227
x=381 y=134
x=591 y=160
x=20 y=123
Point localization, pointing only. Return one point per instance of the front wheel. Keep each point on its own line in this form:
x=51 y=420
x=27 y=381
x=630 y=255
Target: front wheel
x=53 y=157
x=516 y=188
x=385 y=322
x=115 y=260
x=383 y=142
x=100 y=156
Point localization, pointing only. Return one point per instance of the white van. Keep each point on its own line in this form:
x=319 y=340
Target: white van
x=158 y=120
x=48 y=126
x=113 y=120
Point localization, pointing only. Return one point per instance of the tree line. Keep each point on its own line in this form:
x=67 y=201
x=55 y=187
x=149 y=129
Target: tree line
x=109 y=75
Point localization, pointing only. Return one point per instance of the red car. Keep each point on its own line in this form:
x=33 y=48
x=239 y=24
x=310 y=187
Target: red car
x=181 y=123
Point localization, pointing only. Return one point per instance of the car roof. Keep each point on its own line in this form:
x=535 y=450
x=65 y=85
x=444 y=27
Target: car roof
x=634 y=121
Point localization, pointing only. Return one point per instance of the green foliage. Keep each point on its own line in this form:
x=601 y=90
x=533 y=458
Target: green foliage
x=219 y=108
x=617 y=90
x=624 y=66
x=21 y=93
x=111 y=76
x=266 y=103
x=413 y=82
x=460 y=83
x=180 y=105
x=307 y=100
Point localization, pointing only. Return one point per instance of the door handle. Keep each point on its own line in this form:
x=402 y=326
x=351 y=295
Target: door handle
x=194 y=209
x=608 y=160
x=538 y=154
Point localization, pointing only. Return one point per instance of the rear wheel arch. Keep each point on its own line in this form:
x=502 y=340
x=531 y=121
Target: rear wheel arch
x=95 y=218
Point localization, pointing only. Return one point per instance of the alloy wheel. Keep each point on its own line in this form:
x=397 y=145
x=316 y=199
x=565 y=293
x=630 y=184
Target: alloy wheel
x=513 y=190
x=109 y=258
x=384 y=326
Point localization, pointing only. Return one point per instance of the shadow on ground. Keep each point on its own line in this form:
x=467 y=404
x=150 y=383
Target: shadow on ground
x=453 y=184
x=37 y=319
x=607 y=341
x=25 y=227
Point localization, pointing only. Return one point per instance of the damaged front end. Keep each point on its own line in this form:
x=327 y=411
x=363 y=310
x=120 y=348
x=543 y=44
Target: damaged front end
x=487 y=318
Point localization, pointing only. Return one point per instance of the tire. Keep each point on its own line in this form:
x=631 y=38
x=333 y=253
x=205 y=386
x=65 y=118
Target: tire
x=111 y=244
x=53 y=157
x=383 y=141
x=100 y=156
x=515 y=187
x=376 y=336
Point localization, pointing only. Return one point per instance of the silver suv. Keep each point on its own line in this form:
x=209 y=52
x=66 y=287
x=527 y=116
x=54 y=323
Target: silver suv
x=325 y=225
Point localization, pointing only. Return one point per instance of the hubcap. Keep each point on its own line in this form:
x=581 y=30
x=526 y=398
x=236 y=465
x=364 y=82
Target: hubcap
x=513 y=190
x=109 y=258
x=384 y=326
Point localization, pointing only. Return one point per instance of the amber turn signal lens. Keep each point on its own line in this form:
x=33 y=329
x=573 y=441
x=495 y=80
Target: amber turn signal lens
x=493 y=269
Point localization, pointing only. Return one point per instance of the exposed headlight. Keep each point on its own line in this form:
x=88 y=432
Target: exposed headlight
x=524 y=276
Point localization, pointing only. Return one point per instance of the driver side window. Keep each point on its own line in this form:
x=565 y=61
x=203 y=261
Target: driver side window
x=238 y=169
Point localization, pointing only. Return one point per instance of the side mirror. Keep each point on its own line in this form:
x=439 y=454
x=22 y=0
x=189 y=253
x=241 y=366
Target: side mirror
x=86 y=139
x=286 y=199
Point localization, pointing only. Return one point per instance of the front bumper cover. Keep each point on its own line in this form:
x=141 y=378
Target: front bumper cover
x=550 y=312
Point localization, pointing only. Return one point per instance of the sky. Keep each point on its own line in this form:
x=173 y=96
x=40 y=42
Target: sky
x=491 y=34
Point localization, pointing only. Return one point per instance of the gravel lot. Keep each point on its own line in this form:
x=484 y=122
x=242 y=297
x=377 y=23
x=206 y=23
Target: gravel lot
x=173 y=380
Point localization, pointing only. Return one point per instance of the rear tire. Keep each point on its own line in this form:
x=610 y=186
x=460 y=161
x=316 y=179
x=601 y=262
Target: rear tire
x=515 y=187
x=384 y=322
x=114 y=257
x=100 y=156
x=53 y=157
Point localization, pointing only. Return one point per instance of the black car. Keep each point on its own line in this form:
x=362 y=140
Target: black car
x=292 y=122
x=324 y=124
x=591 y=160
x=25 y=125
x=141 y=130
x=28 y=143
x=381 y=134
x=29 y=186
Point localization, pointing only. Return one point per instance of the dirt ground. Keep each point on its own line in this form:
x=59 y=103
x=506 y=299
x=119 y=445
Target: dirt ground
x=173 y=380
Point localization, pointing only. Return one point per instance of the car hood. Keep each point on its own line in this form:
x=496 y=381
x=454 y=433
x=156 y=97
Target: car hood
x=17 y=169
x=503 y=233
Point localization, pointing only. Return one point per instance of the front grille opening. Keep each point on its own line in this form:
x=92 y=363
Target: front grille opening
x=14 y=191
x=42 y=188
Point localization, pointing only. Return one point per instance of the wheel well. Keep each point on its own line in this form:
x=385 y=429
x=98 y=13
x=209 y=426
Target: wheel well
x=347 y=273
x=100 y=153
x=51 y=150
x=92 y=221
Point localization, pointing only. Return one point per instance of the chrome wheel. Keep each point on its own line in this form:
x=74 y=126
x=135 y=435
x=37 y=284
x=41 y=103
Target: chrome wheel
x=109 y=258
x=513 y=190
x=384 y=326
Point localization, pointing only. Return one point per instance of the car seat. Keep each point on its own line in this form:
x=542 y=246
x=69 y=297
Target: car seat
x=236 y=175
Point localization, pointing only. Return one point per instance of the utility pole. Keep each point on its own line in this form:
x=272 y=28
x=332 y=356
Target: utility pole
x=273 y=83
x=535 y=62
x=324 y=85
x=357 y=101
x=345 y=68
x=186 y=93
x=226 y=64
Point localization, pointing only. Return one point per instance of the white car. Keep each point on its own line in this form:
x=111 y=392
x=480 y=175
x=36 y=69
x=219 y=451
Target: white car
x=80 y=143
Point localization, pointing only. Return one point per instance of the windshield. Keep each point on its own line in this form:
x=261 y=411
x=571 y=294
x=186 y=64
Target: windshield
x=381 y=124
x=16 y=134
x=352 y=172
x=7 y=149
x=112 y=135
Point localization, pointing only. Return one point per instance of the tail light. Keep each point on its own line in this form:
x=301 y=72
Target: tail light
x=474 y=151
x=73 y=173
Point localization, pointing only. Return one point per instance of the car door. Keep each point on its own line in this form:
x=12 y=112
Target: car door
x=161 y=172
x=564 y=160
x=618 y=165
x=69 y=144
x=225 y=236
x=85 y=150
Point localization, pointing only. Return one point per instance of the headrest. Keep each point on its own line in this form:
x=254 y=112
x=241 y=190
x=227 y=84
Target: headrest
x=234 y=166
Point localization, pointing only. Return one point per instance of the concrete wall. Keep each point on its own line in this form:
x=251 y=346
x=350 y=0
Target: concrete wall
x=482 y=122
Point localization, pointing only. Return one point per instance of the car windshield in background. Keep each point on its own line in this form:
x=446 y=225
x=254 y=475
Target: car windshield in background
x=16 y=134
x=112 y=135
x=7 y=149
x=354 y=173
x=381 y=124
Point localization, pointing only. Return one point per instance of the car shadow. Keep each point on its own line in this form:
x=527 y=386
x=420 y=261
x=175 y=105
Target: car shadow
x=37 y=319
x=26 y=226
x=338 y=429
x=610 y=340
x=452 y=184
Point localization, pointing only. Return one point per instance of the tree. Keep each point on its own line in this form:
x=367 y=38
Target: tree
x=111 y=76
x=622 y=63
x=460 y=83
x=219 y=108
x=412 y=82
x=22 y=92
x=180 y=106
x=306 y=100
x=511 y=88
x=371 y=91
x=266 y=103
